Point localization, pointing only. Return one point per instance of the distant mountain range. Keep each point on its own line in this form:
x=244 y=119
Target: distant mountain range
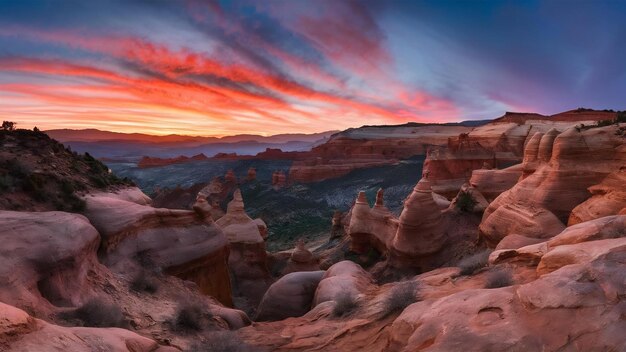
x=132 y=146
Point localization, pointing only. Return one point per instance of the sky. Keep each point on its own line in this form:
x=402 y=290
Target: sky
x=218 y=68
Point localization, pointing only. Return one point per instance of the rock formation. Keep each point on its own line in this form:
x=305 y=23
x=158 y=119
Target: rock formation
x=21 y=332
x=540 y=204
x=290 y=296
x=47 y=258
x=179 y=241
x=251 y=174
x=279 y=179
x=608 y=198
x=301 y=259
x=420 y=231
x=580 y=273
x=248 y=260
x=370 y=227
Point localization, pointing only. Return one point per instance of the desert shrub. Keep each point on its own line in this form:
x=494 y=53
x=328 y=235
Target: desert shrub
x=465 y=201
x=98 y=313
x=603 y=123
x=401 y=296
x=621 y=117
x=345 y=304
x=143 y=282
x=499 y=278
x=470 y=264
x=190 y=317
x=221 y=341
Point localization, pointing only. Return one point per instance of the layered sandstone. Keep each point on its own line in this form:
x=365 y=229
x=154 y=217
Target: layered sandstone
x=540 y=204
x=608 y=198
x=580 y=274
x=179 y=241
x=420 y=230
x=371 y=227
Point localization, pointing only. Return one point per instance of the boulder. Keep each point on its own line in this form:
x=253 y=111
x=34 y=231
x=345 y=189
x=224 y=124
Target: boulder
x=47 y=259
x=290 y=296
x=343 y=278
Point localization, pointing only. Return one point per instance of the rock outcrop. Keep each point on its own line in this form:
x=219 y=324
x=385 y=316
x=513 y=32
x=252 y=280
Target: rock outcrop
x=371 y=227
x=290 y=296
x=420 y=229
x=248 y=260
x=21 y=332
x=47 y=259
x=301 y=259
x=608 y=198
x=178 y=241
x=582 y=273
x=540 y=204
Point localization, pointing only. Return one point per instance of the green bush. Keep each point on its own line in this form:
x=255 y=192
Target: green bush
x=465 y=201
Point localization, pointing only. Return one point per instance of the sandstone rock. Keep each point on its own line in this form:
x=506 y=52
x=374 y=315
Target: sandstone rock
x=345 y=277
x=420 y=229
x=579 y=253
x=47 y=258
x=251 y=174
x=290 y=296
x=370 y=227
x=516 y=241
x=176 y=240
x=522 y=318
x=21 y=332
x=491 y=183
x=546 y=197
x=608 y=198
x=248 y=260
x=237 y=225
x=301 y=259
x=599 y=229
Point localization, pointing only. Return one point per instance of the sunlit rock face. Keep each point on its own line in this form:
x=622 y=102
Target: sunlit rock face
x=181 y=242
x=492 y=182
x=540 y=204
x=371 y=227
x=420 y=230
x=608 y=198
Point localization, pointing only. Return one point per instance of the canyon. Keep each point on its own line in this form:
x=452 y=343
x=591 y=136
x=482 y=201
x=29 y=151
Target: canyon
x=499 y=231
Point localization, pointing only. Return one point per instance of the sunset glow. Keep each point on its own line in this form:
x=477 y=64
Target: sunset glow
x=222 y=68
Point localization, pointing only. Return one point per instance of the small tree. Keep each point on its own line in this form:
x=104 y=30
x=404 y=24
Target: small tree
x=8 y=125
x=621 y=117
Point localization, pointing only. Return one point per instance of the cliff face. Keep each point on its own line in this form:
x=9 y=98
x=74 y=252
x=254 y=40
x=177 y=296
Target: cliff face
x=555 y=181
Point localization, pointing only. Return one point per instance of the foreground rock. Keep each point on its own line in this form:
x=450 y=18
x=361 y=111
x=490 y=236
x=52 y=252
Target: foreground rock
x=48 y=260
x=581 y=273
x=290 y=296
x=21 y=332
